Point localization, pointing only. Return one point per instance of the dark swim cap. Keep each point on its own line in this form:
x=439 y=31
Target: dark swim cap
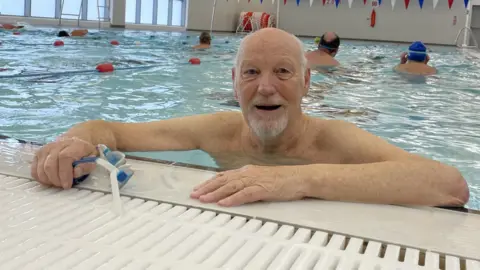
x=63 y=33
x=417 y=52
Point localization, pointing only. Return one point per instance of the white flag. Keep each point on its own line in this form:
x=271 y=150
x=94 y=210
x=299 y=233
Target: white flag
x=311 y=2
x=435 y=2
x=393 y=4
x=273 y=1
x=350 y=3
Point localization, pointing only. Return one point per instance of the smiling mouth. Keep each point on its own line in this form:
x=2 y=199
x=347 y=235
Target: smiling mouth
x=268 y=107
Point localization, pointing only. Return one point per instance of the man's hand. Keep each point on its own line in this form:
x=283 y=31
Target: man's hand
x=250 y=184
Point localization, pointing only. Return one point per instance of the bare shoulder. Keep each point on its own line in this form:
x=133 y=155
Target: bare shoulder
x=356 y=145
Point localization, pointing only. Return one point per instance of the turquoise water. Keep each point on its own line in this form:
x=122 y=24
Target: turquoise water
x=436 y=117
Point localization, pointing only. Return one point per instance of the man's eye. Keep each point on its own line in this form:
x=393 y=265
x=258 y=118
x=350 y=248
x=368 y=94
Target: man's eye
x=250 y=71
x=283 y=70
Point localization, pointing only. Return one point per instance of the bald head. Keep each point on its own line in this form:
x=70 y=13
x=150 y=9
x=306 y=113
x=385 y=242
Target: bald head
x=329 y=36
x=272 y=40
x=329 y=42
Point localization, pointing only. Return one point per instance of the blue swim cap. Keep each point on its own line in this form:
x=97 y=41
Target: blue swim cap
x=417 y=52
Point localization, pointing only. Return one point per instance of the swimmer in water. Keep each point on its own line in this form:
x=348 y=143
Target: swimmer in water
x=415 y=61
x=205 y=39
x=324 y=56
x=8 y=26
x=74 y=33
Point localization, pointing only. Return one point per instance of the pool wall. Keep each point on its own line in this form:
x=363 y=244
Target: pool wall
x=434 y=26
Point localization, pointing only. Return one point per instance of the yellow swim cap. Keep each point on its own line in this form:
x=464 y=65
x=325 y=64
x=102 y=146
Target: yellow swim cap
x=317 y=40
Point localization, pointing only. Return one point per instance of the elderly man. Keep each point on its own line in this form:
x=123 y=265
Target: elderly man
x=273 y=150
x=324 y=56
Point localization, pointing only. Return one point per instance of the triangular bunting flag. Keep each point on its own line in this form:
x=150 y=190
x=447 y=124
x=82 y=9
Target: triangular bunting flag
x=466 y=3
x=393 y=4
x=261 y=1
x=298 y=3
x=336 y=3
x=273 y=1
x=311 y=2
x=450 y=2
x=435 y=2
x=284 y=2
x=420 y=2
x=364 y=2
x=323 y=2
x=350 y=3
x=407 y=2
x=379 y=2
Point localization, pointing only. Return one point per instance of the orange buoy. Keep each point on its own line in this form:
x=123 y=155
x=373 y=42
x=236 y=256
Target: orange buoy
x=373 y=18
x=194 y=61
x=16 y=33
x=114 y=42
x=105 y=67
x=58 y=43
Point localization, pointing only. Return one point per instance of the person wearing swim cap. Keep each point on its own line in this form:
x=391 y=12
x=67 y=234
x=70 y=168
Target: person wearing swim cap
x=324 y=56
x=74 y=33
x=415 y=61
x=204 y=41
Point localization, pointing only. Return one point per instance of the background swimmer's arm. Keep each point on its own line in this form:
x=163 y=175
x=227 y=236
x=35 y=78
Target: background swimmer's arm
x=378 y=172
x=183 y=133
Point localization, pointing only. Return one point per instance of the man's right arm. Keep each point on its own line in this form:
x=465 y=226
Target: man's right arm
x=52 y=164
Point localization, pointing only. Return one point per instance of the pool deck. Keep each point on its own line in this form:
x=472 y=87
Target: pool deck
x=424 y=228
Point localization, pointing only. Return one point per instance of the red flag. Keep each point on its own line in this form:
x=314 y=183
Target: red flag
x=324 y=2
x=284 y=2
x=407 y=2
x=450 y=2
x=364 y=2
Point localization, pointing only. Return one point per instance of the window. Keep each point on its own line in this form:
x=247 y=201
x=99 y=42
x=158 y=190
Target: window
x=146 y=15
x=130 y=11
x=12 y=7
x=177 y=12
x=162 y=12
x=43 y=8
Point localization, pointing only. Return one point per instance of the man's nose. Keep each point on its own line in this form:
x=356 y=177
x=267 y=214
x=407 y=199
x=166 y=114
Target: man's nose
x=266 y=86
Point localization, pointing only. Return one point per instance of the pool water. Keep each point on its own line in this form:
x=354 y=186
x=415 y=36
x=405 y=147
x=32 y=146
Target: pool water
x=435 y=117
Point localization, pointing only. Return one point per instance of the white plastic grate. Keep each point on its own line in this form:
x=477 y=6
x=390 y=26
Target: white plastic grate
x=47 y=228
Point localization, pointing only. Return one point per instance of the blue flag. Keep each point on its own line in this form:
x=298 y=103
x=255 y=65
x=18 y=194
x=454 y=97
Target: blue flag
x=298 y=2
x=379 y=2
x=466 y=3
x=337 y=2
x=421 y=3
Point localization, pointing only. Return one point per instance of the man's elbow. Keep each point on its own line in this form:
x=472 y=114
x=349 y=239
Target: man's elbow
x=458 y=190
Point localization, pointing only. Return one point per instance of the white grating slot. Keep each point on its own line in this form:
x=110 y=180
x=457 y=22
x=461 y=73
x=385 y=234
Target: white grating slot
x=47 y=228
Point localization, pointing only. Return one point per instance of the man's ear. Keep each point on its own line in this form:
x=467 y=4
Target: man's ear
x=234 y=88
x=306 y=82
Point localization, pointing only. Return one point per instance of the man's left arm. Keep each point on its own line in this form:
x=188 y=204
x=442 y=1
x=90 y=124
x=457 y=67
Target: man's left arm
x=379 y=172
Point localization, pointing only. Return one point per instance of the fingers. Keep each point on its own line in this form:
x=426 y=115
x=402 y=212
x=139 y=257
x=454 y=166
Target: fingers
x=215 y=194
x=209 y=185
x=247 y=195
x=52 y=164
x=50 y=168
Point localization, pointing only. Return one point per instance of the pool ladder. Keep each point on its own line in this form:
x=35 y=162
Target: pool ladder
x=105 y=6
x=106 y=11
x=70 y=14
x=467 y=34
